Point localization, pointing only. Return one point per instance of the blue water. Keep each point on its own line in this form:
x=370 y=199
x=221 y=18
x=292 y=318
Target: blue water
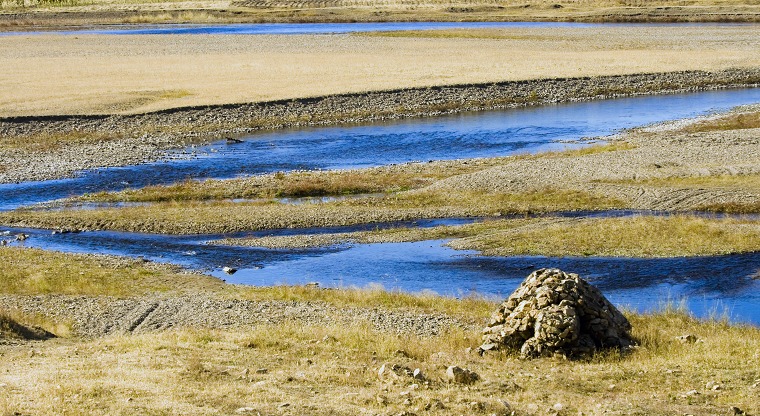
x=709 y=285
x=305 y=28
x=330 y=28
x=720 y=285
x=482 y=134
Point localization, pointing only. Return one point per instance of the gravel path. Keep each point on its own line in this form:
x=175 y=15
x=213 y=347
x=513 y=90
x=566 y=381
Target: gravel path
x=148 y=137
x=101 y=316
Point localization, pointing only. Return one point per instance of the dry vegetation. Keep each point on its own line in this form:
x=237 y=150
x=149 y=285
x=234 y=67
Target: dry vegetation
x=333 y=370
x=329 y=369
x=732 y=121
x=680 y=235
x=221 y=217
x=32 y=271
x=384 y=179
x=629 y=237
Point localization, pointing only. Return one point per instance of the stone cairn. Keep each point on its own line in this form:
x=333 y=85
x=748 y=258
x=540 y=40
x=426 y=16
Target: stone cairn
x=556 y=312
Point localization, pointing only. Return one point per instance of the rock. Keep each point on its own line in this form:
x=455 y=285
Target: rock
x=690 y=393
x=262 y=371
x=434 y=404
x=21 y=237
x=687 y=339
x=245 y=410
x=460 y=375
x=556 y=312
x=396 y=370
x=417 y=374
x=714 y=386
x=736 y=411
x=229 y=270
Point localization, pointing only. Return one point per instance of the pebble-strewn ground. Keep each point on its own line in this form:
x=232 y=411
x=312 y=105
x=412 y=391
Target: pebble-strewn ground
x=100 y=316
x=146 y=137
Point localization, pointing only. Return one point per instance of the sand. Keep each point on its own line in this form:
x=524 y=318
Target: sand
x=100 y=74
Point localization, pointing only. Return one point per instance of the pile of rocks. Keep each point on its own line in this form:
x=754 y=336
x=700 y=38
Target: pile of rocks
x=556 y=312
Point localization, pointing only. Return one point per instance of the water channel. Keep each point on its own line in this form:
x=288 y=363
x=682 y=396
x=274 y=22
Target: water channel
x=325 y=28
x=724 y=284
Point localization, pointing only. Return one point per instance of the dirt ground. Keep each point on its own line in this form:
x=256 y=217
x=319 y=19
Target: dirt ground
x=87 y=74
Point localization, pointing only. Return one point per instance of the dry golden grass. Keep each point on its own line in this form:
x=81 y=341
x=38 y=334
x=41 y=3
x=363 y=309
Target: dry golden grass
x=281 y=185
x=731 y=121
x=33 y=271
x=386 y=179
x=750 y=182
x=639 y=236
x=331 y=369
x=321 y=370
x=221 y=217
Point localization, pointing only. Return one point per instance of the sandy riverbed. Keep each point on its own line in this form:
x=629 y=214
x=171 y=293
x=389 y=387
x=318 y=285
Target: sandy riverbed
x=86 y=74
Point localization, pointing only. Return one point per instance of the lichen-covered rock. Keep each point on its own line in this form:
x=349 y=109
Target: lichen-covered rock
x=556 y=312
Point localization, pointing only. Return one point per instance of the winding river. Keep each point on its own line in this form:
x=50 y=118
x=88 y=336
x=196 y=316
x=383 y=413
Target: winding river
x=724 y=285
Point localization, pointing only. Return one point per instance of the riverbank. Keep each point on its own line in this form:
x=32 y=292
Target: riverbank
x=648 y=169
x=219 y=348
x=44 y=148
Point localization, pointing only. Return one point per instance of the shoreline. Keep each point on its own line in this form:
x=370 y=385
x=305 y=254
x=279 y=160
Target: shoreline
x=67 y=17
x=122 y=140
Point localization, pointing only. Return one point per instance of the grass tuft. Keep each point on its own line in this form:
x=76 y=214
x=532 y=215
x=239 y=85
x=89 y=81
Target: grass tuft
x=640 y=236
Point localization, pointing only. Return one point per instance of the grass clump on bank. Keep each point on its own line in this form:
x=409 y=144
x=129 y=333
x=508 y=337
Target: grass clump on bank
x=731 y=121
x=222 y=217
x=28 y=271
x=37 y=272
x=640 y=236
x=385 y=179
x=279 y=185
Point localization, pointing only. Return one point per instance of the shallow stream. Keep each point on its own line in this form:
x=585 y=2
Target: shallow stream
x=469 y=135
x=710 y=285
